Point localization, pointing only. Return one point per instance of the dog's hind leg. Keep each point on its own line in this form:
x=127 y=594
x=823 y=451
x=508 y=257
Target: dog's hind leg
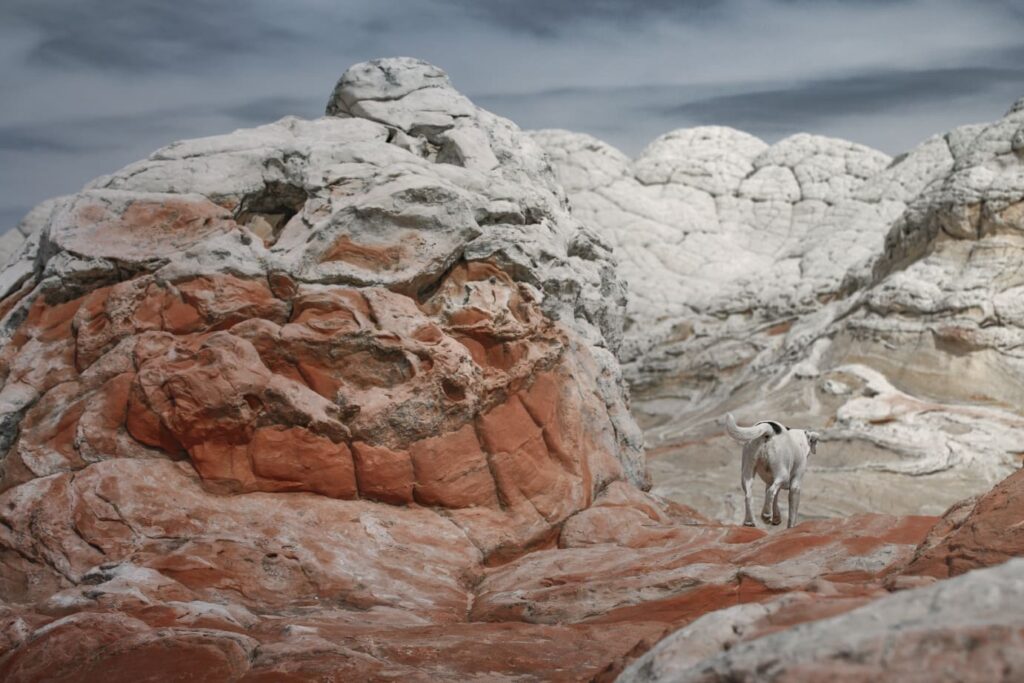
x=766 y=509
x=747 y=483
x=794 y=503
x=772 y=499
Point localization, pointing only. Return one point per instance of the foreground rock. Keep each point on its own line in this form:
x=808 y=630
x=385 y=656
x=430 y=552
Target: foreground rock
x=965 y=629
x=957 y=630
x=104 y=573
x=321 y=371
x=822 y=284
x=980 y=532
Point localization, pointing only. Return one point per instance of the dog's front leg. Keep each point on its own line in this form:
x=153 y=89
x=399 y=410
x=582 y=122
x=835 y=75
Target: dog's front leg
x=747 y=484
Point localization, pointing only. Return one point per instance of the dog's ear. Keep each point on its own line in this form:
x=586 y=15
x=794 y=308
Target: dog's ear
x=812 y=441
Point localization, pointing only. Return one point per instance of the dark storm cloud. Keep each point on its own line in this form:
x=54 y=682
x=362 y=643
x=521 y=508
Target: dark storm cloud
x=30 y=139
x=809 y=103
x=90 y=85
x=549 y=18
x=90 y=134
x=140 y=35
x=552 y=18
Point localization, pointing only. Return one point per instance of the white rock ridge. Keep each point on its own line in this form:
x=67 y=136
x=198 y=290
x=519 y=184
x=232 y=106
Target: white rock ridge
x=710 y=222
x=821 y=283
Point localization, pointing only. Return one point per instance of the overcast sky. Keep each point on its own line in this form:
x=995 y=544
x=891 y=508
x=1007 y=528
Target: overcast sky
x=90 y=85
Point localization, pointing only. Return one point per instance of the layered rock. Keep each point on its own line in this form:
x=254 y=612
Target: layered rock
x=314 y=283
x=720 y=233
x=108 y=575
x=329 y=368
x=957 y=630
x=976 y=533
x=819 y=283
x=966 y=628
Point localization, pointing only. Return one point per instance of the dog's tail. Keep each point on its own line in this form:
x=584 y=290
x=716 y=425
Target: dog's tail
x=744 y=434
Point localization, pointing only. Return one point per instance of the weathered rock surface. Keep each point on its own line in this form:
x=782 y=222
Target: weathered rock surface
x=102 y=568
x=976 y=533
x=319 y=370
x=825 y=285
x=963 y=629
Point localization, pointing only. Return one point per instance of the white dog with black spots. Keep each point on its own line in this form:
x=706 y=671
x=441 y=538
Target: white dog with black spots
x=779 y=456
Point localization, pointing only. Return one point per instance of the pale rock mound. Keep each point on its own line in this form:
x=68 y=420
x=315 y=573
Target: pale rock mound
x=329 y=368
x=822 y=284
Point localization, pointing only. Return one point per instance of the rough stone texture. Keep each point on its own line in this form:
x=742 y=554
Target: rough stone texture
x=101 y=569
x=977 y=533
x=819 y=283
x=712 y=222
x=320 y=371
x=957 y=630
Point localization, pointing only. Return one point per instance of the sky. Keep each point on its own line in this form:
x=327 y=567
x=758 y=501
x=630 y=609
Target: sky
x=91 y=85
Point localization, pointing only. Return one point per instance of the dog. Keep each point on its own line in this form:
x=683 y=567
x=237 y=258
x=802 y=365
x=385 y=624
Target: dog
x=779 y=456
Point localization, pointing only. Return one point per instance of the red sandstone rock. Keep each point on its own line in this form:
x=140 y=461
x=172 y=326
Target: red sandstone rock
x=136 y=227
x=328 y=585
x=452 y=471
x=980 y=532
x=383 y=474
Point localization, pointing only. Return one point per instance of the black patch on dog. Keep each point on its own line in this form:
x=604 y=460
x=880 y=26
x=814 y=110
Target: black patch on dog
x=777 y=427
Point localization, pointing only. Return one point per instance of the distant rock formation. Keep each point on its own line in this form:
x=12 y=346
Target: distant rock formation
x=819 y=282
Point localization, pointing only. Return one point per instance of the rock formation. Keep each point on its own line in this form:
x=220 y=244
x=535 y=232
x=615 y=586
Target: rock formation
x=339 y=400
x=821 y=283
x=957 y=630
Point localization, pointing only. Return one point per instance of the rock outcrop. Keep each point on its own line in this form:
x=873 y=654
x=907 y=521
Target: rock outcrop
x=966 y=628
x=280 y=371
x=823 y=284
x=957 y=630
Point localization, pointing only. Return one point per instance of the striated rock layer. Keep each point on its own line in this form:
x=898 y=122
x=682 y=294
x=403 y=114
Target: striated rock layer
x=819 y=283
x=319 y=370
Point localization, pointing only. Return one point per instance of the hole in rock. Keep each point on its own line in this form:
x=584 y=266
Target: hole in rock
x=453 y=391
x=266 y=212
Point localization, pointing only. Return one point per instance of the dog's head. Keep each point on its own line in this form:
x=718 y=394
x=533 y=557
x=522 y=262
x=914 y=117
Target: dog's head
x=812 y=441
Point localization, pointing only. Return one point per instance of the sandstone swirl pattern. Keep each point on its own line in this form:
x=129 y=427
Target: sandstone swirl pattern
x=825 y=284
